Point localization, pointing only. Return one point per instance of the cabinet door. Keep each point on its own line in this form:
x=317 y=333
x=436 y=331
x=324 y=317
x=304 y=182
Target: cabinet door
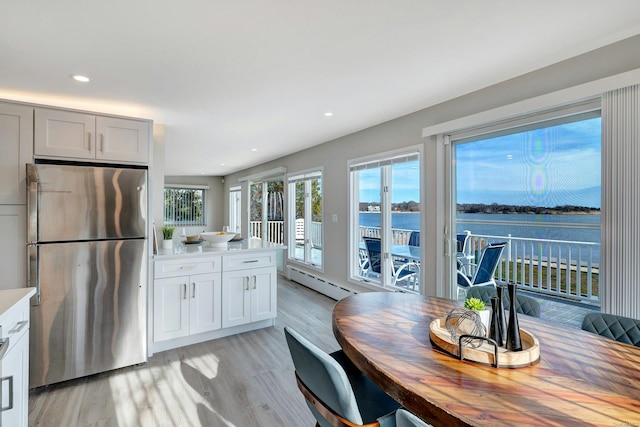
x=122 y=140
x=15 y=390
x=13 y=253
x=205 y=302
x=64 y=134
x=170 y=308
x=263 y=293
x=16 y=140
x=236 y=301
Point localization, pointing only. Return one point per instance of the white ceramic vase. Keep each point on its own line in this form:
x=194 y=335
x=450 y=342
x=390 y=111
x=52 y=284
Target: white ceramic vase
x=485 y=318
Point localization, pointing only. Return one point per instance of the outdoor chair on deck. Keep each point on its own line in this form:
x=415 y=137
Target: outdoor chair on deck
x=463 y=257
x=485 y=269
x=414 y=238
x=524 y=304
x=619 y=328
x=337 y=393
x=405 y=274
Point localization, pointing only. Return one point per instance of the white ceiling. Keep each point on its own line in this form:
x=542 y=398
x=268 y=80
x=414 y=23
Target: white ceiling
x=229 y=77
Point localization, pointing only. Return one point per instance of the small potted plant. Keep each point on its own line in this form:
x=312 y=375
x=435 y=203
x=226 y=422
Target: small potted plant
x=476 y=304
x=167 y=236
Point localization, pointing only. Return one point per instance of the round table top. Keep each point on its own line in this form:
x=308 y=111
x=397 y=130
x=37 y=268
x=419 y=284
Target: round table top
x=581 y=379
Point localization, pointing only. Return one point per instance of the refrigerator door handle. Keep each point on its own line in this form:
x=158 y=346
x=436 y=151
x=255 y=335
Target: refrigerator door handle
x=33 y=272
x=33 y=190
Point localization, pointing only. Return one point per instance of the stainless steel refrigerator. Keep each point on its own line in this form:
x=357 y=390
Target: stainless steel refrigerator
x=87 y=255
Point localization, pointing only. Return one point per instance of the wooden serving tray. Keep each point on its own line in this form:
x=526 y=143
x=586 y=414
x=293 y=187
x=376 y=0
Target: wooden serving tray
x=486 y=353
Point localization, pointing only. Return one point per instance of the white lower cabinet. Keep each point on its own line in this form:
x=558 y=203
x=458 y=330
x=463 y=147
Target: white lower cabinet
x=198 y=298
x=15 y=362
x=186 y=305
x=248 y=296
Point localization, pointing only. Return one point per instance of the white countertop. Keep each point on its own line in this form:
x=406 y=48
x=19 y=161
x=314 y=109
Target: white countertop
x=10 y=297
x=202 y=249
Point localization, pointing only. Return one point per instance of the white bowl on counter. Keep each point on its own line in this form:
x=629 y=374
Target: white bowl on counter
x=217 y=239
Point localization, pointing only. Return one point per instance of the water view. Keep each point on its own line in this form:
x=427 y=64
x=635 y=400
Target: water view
x=567 y=227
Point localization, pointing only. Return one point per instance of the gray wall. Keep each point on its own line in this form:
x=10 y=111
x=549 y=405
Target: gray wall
x=406 y=131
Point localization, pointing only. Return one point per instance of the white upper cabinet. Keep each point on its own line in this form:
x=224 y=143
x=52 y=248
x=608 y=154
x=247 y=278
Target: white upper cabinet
x=16 y=142
x=122 y=140
x=72 y=135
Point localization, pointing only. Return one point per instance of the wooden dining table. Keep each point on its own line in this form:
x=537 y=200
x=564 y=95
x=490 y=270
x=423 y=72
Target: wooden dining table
x=580 y=379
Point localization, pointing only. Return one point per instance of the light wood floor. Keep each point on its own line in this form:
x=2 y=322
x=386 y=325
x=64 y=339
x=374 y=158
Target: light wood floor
x=244 y=380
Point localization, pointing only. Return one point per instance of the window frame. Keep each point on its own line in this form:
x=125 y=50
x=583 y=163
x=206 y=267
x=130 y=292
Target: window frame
x=546 y=117
x=403 y=155
x=235 y=209
x=307 y=177
x=187 y=187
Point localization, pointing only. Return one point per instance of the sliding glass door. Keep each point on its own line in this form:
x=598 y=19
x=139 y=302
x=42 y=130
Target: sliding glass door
x=385 y=221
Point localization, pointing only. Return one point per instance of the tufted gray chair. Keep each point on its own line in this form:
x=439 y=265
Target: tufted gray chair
x=619 y=328
x=524 y=304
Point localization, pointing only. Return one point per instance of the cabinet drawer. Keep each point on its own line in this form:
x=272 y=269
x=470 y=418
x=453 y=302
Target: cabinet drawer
x=181 y=267
x=243 y=262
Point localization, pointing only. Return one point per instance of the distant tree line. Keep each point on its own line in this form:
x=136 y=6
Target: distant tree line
x=410 y=206
x=496 y=208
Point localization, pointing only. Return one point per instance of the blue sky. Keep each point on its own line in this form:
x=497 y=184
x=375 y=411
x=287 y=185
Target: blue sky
x=549 y=167
x=552 y=166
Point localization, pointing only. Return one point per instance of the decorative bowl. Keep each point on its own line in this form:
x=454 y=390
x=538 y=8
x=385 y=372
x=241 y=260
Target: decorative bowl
x=194 y=238
x=217 y=238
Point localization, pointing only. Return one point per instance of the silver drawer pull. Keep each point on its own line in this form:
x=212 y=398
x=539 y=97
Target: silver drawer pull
x=19 y=326
x=253 y=260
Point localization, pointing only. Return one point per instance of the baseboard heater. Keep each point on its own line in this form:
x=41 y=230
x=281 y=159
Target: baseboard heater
x=325 y=287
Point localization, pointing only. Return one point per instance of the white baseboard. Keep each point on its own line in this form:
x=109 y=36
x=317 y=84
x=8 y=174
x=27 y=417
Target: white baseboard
x=318 y=284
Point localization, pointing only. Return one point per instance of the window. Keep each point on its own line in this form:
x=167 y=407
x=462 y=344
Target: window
x=537 y=186
x=266 y=219
x=385 y=220
x=184 y=205
x=305 y=218
x=235 y=209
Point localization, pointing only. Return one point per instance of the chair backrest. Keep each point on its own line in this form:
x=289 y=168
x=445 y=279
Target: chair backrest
x=461 y=241
x=323 y=376
x=405 y=418
x=414 y=238
x=524 y=304
x=619 y=328
x=373 y=251
x=488 y=263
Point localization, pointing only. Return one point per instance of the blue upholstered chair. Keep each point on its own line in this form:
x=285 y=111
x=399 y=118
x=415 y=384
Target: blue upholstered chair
x=337 y=393
x=524 y=304
x=405 y=418
x=483 y=274
x=619 y=328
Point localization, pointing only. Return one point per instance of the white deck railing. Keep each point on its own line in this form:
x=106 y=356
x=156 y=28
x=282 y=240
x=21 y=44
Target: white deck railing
x=275 y=232
x=554 y=267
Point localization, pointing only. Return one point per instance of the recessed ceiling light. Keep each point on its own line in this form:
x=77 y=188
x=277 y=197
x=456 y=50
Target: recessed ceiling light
x=328 y=114
x=80 y=78
x=254 y=149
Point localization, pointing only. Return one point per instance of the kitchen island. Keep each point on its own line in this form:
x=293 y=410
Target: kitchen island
x=202 y=293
